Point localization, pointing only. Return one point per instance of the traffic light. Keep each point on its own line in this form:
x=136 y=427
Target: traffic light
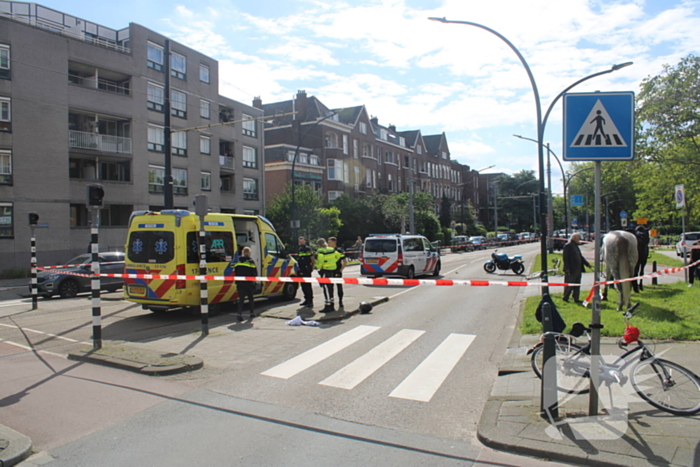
x=95 y=193
x=33 y=219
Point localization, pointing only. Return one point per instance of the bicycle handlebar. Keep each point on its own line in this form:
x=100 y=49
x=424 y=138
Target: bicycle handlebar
x=630 y=311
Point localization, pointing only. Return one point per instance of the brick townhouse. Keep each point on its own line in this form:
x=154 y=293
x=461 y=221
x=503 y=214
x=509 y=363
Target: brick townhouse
x=347 y=151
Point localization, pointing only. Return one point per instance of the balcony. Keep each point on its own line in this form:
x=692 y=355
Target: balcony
x=98 y=142
x=227 y=162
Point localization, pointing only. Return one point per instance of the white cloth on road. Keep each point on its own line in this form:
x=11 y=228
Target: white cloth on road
x=300 y=322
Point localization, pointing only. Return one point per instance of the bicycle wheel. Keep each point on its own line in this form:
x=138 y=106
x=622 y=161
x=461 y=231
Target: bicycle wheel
x=676 y=390
x=572 y=367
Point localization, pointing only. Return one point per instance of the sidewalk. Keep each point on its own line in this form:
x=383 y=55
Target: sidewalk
x=645 y=437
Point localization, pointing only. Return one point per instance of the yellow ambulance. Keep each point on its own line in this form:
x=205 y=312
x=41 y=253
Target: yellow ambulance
x=165 y=243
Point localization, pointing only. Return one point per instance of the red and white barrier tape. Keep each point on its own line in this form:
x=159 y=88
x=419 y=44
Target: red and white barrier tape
x=394 y=282
x=76 y=265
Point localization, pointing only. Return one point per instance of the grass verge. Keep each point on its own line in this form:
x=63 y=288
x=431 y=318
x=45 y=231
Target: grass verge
x=668 y=311
x=551 y=258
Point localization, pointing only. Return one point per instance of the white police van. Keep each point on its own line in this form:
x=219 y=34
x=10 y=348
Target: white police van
x=399 y=255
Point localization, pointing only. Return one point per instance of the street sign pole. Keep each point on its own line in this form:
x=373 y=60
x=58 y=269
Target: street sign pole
x=595 y=316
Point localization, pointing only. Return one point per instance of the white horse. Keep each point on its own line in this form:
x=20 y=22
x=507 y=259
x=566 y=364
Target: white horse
x=620 y=256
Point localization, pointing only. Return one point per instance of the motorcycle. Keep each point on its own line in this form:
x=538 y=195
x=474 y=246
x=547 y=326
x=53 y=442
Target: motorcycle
x=503 y=262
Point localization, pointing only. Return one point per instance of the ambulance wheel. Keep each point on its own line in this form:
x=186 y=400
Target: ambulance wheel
x=436 y=272
x=289 y=292
x=411 y=274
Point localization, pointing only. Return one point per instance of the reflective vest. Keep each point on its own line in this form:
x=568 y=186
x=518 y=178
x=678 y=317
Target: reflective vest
x=327 y=258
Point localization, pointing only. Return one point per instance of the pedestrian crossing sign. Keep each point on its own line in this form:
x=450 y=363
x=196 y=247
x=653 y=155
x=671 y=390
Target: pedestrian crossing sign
x=599 y=126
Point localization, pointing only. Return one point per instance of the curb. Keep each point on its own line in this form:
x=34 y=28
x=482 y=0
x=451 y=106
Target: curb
x=138 y=360
x=18 y=447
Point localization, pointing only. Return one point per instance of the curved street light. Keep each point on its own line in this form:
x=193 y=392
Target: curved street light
x=540 y=134
x=294 y=162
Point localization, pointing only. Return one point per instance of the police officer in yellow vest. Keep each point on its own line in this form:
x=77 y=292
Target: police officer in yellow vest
x=305 y=261
x=330 y=263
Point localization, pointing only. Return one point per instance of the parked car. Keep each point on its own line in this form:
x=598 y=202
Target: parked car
x=461 y=243
x=52 y=282
x=685 y=241
x=479 y=242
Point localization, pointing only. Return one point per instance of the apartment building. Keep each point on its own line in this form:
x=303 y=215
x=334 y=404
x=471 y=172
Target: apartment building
x=81 y=103
x=347 y=151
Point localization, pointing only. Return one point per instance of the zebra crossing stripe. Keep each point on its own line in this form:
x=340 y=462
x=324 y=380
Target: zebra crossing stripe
x=362 y=368
x=319 y=353
x=427 y=378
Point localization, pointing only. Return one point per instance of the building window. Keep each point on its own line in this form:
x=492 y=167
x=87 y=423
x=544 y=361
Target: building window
x=206 y=181
x=345 y=144
x=227 y=183
x=155 y=97
x=250 y=189
x=155 y=56
x=204 y=144
x=5 y=114
x=355 y=148
x=363 y=128
x=179 y=181
x=356 y=181
x=390 y=182
x=346 y=173
x=314 y=160
x=250 y=157
x=366 y=150
x=4 y=61
x=178 y=65
x=156 y=175
x=444 y=155
x=389 y=157
x=6 y=220
x=179 y=143
x=5 y=168
x=335 y=169
x=331 y=140
x=204 y=109
x=203 y=73
x=419 y=149
x=178 y=101
x=249 y=126
x=368 y=178
x=332 y=195
x=156 y=139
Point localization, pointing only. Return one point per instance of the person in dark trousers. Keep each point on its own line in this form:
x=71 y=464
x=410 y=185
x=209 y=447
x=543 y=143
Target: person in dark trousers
x=306 y=260
x=693 y=271
x=245 y=266
x=574 y=263
x=339 y=267
x=327 y=262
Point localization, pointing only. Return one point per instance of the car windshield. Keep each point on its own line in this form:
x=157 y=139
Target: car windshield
x=81 y=259
x=693 y=237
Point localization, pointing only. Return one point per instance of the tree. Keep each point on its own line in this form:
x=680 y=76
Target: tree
x=515 y=199
x=668 y=132
x=308 y=205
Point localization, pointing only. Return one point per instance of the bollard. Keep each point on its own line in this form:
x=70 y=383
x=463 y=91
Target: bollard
x=654 y=280
x=201 y=208
x=95 y=281
x=549 y=398
x=35 y=291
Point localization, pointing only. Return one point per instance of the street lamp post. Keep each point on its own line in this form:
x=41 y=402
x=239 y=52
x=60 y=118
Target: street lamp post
x=294 y=162
x=607 y=212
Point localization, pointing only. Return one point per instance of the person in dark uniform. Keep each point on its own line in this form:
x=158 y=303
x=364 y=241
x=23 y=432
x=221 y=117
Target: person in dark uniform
x=574 y=263
x=245 y=267
x=306 y=260
x=694 y=256
x=340 y=264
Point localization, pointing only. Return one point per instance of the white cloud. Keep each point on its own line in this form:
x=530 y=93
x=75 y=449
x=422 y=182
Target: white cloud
x=302 y=50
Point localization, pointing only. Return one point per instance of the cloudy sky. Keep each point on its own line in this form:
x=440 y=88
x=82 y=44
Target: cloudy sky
x=420 y=74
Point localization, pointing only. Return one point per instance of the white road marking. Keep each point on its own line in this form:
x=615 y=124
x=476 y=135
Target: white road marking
x=319 y=353
x=362 y=368
x=7 y=303
x=43 y=333
x=30 y=349
x=427 y=378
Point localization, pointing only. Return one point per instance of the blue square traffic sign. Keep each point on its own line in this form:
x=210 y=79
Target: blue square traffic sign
x=599 y=126
x=576 y=200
